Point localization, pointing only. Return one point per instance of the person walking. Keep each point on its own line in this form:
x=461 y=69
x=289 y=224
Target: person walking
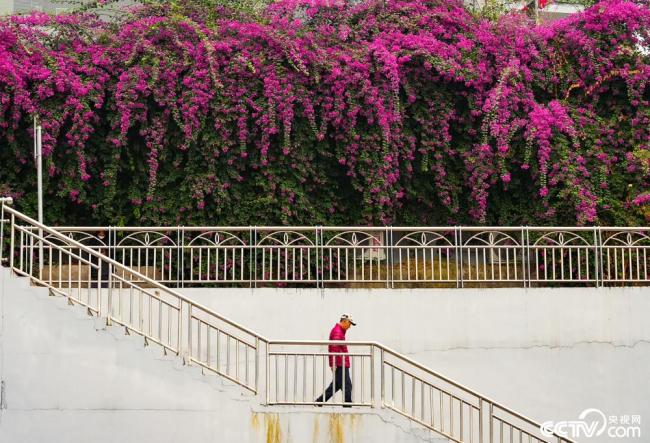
x=340 y=364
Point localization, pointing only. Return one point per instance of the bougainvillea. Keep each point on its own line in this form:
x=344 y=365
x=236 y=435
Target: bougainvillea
x=324 y=112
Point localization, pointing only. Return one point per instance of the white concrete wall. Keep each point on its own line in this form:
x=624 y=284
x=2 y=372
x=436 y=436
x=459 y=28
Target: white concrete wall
x=67 y=378
x=547 y=353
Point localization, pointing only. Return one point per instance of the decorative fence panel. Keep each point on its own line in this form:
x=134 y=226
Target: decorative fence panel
x=373 y=256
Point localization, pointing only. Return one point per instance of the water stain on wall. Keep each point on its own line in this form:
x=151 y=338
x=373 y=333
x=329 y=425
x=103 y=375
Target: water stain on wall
x=336 y=428
x=355 y=420
x=339 y=430
x=273 y=430
x=255 y=422
x=340 y=427
x=316 y=434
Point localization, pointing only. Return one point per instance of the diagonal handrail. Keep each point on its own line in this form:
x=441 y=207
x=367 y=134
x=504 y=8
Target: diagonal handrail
x=117 y=265
x=176 y=311
x=221 y=345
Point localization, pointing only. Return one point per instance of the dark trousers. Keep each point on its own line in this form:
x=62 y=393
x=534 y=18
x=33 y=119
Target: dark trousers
x=337 y=383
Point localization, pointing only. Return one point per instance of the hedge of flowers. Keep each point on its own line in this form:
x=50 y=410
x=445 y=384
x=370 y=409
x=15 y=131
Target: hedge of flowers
x=322 y=112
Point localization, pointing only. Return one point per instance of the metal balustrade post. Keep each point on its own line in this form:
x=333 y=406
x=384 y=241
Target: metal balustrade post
x=491 y=422
x=179 y=332
x=112 y=233
x=251 y=252
x=267 y=359
x=458 y=239
x=372 y=376
x=320 y=268
x=455 y=250
x=480 y=420
x=524 y=259
x=12 y=242
x=6 y=201
x=389 y=257
x=254 y=252
x=382 y=400
x=21 y=253
x=257 y=361
x=598 y=257
x=109 y=315
x=528 y=273
x=188 y=359
x=40 y=254
x=2 y=231
x=180 y=252
x=29 y=255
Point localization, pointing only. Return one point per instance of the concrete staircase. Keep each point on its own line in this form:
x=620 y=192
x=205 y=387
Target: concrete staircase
x=67 y=377
x=69 y=385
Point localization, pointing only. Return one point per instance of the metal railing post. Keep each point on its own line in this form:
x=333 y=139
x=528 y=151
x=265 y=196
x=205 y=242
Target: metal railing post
x=383 y=379
x=480 y=420
x=598 y=257
x=459 y=256
x=180 y=330
x=254 y=252
x=180 y=252
x=12 y=242
x=251 y=252
x=109 y=314
x=322 y=255
x=320 y=268
x=111 y=241
x=267 y=359
x=257 y=362
x=389 y=255
x=529 y=275
x=524 y=258
x=6 y=201
x=2 y=230
x=491 y=422
x=372 y=376
x=189 y=335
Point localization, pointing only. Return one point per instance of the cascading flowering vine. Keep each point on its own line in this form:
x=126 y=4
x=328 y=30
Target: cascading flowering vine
x=380 y=111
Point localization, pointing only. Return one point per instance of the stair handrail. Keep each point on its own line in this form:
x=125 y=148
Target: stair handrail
x=118 y=265
x=383 y=349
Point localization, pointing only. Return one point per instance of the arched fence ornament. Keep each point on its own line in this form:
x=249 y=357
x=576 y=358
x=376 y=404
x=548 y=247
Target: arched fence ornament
x=625 y=257
x=287 y=256
x=215 y=256
x=562 y=256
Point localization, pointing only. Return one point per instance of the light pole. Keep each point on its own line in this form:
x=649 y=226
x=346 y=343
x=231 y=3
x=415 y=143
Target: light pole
x=38 y=157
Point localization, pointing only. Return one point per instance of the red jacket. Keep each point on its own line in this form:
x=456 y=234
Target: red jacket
x=338 y=333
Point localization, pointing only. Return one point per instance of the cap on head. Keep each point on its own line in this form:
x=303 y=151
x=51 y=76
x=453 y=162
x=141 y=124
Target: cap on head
x=348 y=317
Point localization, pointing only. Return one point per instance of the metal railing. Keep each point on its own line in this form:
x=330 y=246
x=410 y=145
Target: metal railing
x=277 y=372
x=370 y=257
x=127 y=298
